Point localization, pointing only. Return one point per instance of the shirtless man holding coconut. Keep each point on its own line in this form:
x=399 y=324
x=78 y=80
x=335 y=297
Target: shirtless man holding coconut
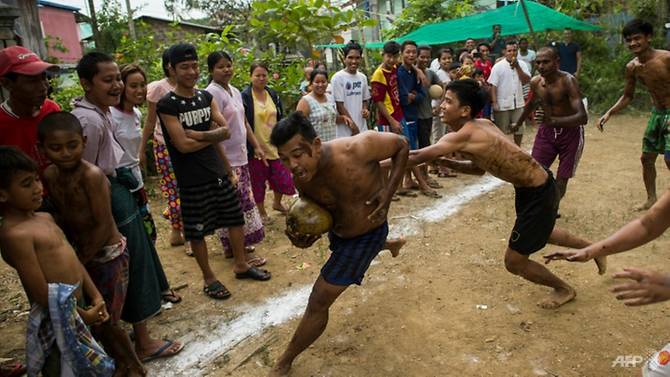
x=344 y=177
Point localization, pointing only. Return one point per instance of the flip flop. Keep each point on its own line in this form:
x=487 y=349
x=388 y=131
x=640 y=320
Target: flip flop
x=171 y=296
x=187 y=249
x=14 y=370
x=257 y=261
x=406 y=192
x=431 y=194
x=434 y=184
x=446 y=175
x=217 y=291
x=254 y=274
x=161 y=352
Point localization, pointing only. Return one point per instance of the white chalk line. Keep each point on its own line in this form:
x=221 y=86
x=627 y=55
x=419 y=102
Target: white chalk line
x=211 y=343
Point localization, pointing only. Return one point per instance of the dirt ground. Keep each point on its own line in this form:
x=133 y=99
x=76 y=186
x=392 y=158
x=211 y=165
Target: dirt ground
x=446 y=306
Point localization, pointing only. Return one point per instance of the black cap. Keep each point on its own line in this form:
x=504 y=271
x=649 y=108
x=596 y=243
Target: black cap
x=182 y=52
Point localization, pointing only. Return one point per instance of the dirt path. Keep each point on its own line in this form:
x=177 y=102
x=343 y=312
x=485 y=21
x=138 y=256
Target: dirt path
x=422 y=314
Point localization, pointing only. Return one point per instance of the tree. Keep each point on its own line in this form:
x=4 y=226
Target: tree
x=219 y=12
x=299 y=24
x=422 y=12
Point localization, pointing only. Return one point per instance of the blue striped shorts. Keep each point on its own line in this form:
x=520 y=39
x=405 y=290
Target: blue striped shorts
x=351 y=257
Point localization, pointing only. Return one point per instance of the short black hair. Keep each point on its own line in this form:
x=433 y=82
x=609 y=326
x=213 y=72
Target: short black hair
x=352 y=45
x=454 y=65
x=478 y=72
x=511 y=42
x=423 y=48
x=87 y=67
x=483 y=44
x=12 y=161
x=469 y=93
x=550 y=48
x=317 y=72
x=523 y=40
x=407 y=43
x=294 y=124
x=637 y=26
x=58 y=121
x=446 y=50
x=391 y=47
x=165 y=62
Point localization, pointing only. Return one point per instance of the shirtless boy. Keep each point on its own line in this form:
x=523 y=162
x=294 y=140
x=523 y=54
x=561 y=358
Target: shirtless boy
x=536 y=195
x=562 y=131
x=80 y=193
x=344 y=177
x=32 y=243
x=651 y=68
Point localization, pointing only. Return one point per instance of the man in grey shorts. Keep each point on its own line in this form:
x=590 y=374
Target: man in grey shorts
x=507 y=79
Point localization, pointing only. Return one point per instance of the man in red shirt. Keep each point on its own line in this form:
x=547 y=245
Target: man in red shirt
x=24 y=75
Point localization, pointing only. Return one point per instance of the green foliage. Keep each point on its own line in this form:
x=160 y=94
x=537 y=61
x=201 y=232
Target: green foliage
x=422 y=12
x=112 y=24
x=299 y=24
x=65 y=94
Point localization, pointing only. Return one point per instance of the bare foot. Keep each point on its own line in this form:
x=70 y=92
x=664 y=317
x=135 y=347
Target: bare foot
x=176 y=238
x=279 y=371
x=643 y=207
x=601 y=262
x=558 y=298
x=395 y=245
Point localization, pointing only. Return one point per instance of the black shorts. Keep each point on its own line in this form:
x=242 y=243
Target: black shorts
x=425 y=128
x=536 y=210
x=351 y=257
x=209 y=206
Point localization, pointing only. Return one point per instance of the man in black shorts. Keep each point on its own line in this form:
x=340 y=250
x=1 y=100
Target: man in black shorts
x=190 y=120
x=536 y=194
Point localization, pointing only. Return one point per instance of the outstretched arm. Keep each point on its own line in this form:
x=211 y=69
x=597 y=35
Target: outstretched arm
x=624 y=100
x=579 y=117
x=638 y=232
x=465 y=167
x=452 y=142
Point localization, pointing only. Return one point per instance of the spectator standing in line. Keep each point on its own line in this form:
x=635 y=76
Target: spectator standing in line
x=351 y=92
x=426 y=109
x=570 y=54
x=411 y=93
x=507 y=79
x=527 y=56
x=24 y=75
x=496 y=42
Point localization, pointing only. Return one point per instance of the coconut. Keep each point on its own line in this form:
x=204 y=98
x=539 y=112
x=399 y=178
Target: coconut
x=435 y=91
x=306 y=217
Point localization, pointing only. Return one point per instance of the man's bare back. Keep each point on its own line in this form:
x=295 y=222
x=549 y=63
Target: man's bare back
x=345 y=182
x=487 y=147
x=654 y=74
x=72 y=194
x=56 y=258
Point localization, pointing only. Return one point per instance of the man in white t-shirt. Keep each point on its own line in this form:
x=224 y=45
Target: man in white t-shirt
x=507 y=79
x=526 y=54
x=351 y=92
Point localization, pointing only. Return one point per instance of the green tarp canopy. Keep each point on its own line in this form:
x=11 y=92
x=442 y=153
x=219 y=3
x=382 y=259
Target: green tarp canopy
x=478 y=26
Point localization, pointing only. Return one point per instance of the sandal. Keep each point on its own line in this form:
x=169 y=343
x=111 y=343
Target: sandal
x=257 y=261
x=165 y=350
x=254 y=274
x=171 y=296
x=444 y=174
x=187 y=249
x=406 y=192
x=431 y=194
x=433 y=183
x=217 y=291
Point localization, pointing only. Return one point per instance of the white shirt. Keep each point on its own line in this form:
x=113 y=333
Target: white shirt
x=509 y=90
x=445 y=79
x=529 y=58
x=435 y=65
x=351 y=90
x=127 y=128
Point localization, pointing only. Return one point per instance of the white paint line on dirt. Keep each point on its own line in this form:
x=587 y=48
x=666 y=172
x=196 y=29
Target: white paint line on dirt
x=209 y=343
